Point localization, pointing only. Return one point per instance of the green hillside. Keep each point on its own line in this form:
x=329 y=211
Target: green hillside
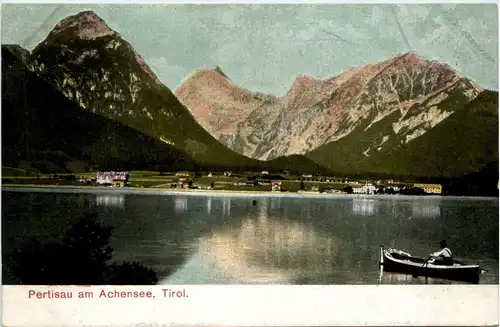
x=297 y=164
x=480 y=183
x=462 y=143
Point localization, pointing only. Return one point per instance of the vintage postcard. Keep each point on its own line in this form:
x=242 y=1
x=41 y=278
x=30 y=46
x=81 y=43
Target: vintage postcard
x=249 y=164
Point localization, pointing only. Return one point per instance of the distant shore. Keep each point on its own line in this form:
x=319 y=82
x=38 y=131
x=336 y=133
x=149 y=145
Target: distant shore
x=198 y=192
x=157 y=191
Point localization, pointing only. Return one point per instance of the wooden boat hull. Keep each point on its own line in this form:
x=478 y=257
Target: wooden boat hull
x=397 y=261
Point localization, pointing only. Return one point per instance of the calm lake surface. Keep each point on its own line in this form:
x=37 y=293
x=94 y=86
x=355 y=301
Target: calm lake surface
x=205 y=239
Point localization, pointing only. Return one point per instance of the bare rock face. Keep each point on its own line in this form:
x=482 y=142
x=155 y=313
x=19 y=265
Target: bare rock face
x=85 y=25
x=217 y=103
x=315 y=112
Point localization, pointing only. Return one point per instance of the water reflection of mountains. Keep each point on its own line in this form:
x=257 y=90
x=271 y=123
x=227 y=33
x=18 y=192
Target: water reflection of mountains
x=223 y=239
x=270 y=245
x=262 y=251
x=276 y=241
x=266 y=248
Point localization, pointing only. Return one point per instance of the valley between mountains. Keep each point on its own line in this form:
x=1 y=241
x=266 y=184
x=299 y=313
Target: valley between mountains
x=85 y=99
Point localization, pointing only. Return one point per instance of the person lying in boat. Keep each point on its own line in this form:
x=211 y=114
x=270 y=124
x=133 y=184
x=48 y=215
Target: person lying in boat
x=442 y=257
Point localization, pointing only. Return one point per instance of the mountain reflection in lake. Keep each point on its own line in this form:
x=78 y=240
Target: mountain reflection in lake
x=262 y=250
x=197 y=239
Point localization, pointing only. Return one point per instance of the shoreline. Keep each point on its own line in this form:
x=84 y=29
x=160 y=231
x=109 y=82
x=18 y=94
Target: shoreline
x=205 y=193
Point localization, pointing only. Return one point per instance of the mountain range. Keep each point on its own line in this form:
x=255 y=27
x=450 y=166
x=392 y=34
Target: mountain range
x=131 y=120
x=95 y=67
x=402 y=116
x=85 y=98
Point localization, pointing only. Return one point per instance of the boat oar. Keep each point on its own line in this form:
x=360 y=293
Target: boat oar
x=381 y=258
x=427 y=261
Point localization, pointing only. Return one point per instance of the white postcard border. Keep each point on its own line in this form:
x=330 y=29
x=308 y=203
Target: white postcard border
x=266 y=305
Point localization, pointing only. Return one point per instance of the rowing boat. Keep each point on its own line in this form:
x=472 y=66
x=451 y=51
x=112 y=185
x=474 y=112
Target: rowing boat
x=394 y=260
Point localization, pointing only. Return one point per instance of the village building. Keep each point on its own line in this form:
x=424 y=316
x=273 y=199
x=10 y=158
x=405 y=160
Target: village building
x=276 y=186
x=183 y=182
x=430 y=188
x=119 y=179
x=368 y=188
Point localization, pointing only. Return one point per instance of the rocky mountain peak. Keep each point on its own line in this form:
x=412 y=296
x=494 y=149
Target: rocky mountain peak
x=304 y=79
x=301 y=84
x=412 y=92
x=412 y=59
x=205 y=76
x=410 y=56
x=86 y=25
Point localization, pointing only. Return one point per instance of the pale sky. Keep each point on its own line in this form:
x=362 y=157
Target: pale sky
x=265 y=47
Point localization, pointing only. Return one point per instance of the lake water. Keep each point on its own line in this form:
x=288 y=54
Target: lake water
x=205 y=239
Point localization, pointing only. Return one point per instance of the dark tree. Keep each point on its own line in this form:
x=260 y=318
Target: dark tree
x=412 y=191
x=348 y=190
x=88 y=242
x=82 y=258
x=390 y=190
